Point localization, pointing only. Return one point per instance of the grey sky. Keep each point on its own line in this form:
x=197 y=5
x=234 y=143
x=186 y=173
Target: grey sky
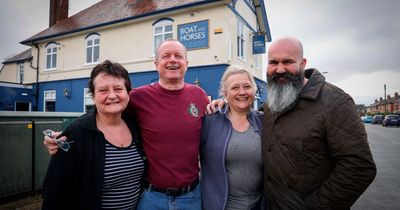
x=355 y=41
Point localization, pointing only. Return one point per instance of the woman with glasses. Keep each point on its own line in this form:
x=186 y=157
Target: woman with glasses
x=103 y=167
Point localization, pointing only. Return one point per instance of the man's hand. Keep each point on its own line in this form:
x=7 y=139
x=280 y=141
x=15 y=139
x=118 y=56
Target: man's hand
x=214 y=106
x=50 y=142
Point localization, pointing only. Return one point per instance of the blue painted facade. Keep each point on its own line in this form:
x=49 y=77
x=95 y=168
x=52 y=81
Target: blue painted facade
x=207 y=76
x=10 y=94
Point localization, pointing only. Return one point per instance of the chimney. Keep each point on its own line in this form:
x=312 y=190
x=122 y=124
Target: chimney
x=380 y=99
x=396 y=95
x=58 y=11
x=388 y=97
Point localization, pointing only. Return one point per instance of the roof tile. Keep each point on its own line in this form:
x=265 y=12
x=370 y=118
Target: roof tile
x=25 y=55
x=108 y=12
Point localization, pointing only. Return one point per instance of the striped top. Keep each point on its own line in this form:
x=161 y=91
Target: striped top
x=123 y=170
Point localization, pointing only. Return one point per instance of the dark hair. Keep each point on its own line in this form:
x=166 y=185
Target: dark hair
x=114 y=69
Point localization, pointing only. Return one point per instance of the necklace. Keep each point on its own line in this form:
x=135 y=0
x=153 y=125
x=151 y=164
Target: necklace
x=113 y=140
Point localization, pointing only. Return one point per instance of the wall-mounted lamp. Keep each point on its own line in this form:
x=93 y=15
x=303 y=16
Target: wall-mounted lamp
x=67 y=93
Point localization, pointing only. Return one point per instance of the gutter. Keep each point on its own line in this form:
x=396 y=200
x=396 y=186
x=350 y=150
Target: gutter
x=36 y=94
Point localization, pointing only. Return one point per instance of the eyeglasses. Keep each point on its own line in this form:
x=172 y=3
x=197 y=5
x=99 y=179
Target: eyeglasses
x=64 y=145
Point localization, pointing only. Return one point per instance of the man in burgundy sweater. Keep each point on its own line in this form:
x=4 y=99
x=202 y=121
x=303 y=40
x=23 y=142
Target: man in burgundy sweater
x=169 y=113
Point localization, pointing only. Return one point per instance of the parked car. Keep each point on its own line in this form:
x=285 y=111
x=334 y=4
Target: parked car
x=377 y=119
x=367 y=119
x=391 y=120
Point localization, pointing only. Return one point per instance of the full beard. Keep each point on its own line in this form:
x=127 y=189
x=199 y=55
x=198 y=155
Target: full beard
x=281 y=96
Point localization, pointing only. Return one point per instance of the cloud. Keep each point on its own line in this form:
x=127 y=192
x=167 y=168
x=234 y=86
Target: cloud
x=355 y=41
x=21 y=19
x=368 y=87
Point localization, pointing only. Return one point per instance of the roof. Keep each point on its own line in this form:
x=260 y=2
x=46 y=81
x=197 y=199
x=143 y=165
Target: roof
x=23 y=56
x=262 y=18
x=108 y=12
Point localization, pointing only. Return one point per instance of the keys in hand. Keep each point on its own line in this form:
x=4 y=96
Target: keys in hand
x=64 y=145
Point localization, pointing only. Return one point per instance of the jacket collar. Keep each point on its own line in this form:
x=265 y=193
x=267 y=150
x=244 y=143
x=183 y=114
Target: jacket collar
x=89 y=121
x=251 y=115
x=314 y=85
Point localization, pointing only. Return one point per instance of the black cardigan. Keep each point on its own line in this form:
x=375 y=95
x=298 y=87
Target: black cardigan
x=74 y=179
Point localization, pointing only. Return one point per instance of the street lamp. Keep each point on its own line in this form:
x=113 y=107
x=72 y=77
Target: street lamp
x=324 y=72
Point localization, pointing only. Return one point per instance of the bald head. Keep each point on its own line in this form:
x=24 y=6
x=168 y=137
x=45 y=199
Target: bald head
x=285 y=55
x=287 y=44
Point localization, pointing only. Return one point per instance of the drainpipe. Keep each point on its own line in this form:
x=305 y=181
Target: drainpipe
x=37 y=77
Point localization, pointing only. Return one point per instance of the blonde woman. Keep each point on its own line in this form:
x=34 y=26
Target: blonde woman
x=231 y=161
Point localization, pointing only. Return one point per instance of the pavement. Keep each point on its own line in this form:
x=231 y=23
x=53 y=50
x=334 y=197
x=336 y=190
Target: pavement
x=384 y=192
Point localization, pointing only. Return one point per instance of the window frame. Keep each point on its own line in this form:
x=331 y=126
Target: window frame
x=163 y=23
x=87 y=95
x=241 y=40
x=20 y=73
x=49 y=96
x=52 y=55
x=93 y=46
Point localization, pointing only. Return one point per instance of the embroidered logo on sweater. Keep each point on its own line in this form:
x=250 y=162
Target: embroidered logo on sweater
x=193 y=110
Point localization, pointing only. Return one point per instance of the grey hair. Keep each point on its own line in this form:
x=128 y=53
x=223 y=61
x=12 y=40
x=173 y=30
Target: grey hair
x=231 y=70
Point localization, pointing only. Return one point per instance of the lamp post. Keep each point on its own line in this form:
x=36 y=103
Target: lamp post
x=384 y=96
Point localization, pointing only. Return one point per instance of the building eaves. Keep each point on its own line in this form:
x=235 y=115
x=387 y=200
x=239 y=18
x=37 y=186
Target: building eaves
x=262 y=19
x=23 y=56
x=108 y=12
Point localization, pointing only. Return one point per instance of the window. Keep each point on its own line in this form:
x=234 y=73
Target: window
x=22 y=106
x=92 y=48
x=250 y=3
x=20 y=73
x=162 y=31
x=88 y=103
x=257 y=62
x=49 y=101
x=241 y=41
x=51 y=56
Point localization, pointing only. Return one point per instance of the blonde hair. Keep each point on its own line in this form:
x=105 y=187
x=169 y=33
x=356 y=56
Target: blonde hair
x=232 y=70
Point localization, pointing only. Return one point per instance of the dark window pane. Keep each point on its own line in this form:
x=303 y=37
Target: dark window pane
x=88 y=55
x=48 y=61
x=54 y=63
x=96 y=54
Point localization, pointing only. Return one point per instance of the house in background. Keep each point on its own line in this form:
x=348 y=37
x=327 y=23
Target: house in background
x=217 y=33
x=390 y=105
x=15 y=93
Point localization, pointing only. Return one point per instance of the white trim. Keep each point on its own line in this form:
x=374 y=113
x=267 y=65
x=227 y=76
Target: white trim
x=86 y=94
x=20 y=73
x=93 y=45
x=241 y=36
x=163 y=24
x=48 y=95
x=53 y=55
x=3 y=84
